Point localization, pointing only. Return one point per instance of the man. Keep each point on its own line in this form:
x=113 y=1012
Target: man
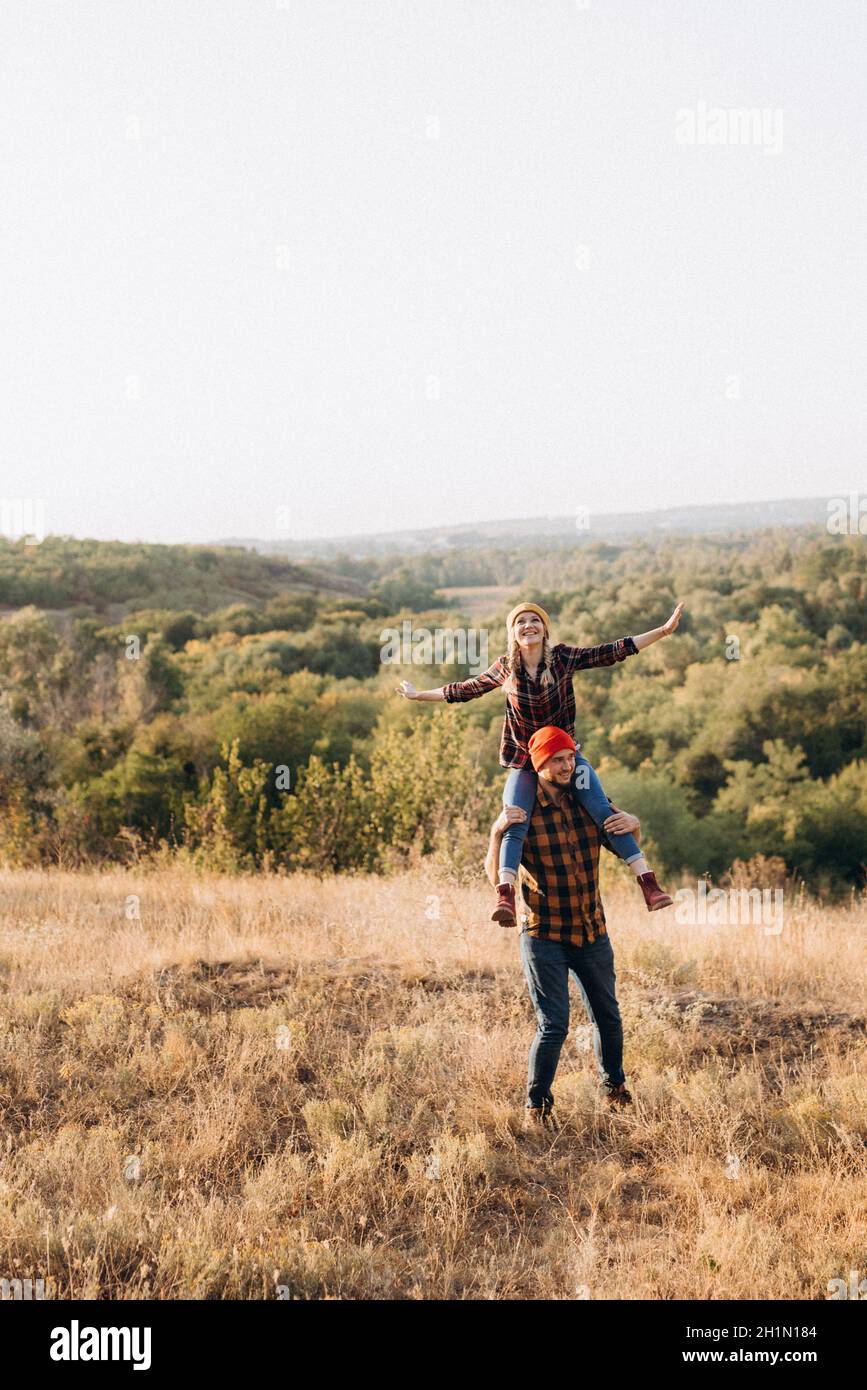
x=564 y=928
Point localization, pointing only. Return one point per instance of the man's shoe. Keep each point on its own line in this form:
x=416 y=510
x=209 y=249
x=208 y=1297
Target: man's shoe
x=504 y=912
x=538 y=1118
x=653 y=894
x=618 y=1095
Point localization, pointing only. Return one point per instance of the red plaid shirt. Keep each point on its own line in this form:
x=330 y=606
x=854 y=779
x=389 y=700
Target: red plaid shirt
x=532 y=705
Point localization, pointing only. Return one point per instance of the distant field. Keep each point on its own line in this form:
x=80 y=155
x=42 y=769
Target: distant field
x=480 y=602
x=316 y=1088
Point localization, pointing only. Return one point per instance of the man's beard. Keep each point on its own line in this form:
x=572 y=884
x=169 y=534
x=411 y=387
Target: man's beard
x=563 y=780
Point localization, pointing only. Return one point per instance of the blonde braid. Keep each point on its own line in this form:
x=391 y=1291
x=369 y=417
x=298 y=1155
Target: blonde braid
x=515 y=663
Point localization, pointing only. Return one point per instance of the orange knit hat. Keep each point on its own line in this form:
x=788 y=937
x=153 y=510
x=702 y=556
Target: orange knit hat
x=548 y=741
x=528 y=608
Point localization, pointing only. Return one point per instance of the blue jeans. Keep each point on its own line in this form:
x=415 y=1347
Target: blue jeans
x=547 y=967
x=520 y=790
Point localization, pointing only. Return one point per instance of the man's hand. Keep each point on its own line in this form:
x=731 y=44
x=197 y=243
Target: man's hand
x=621 y=823
x=510 y=815
x=407 y=690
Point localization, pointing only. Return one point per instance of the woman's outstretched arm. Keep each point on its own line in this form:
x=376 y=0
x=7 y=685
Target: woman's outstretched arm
x=608 y=653
x=409 y=692
x=458 y=691
x=644 y=639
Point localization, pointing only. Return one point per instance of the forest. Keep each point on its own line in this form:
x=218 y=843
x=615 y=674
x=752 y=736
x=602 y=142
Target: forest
x=235 y=710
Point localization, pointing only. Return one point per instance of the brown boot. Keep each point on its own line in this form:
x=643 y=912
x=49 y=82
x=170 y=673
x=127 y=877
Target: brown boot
x=504 y=912
x=540 y=1118
x=618 y=1095
x=653 y=894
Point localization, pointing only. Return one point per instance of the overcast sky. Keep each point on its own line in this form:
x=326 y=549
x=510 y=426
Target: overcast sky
x=313 y=267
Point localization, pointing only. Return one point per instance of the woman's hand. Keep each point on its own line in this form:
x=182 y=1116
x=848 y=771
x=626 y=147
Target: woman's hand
x=510 y=815
x=644 y=639
x=669 y=627
x=409 y=692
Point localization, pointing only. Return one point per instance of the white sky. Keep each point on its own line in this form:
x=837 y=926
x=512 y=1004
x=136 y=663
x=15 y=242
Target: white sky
x=304 y=267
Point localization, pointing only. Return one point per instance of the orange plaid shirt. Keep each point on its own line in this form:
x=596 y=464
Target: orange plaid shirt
x=559 y=876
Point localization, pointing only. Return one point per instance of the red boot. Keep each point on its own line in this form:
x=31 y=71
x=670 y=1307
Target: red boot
x=504 y=912
x=653 y=894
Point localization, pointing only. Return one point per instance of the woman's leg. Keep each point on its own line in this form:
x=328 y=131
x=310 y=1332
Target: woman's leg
x=520 y=790
x=591 y=795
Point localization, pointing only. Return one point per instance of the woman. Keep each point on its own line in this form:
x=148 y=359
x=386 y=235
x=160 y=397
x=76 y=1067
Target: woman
x=537 y=679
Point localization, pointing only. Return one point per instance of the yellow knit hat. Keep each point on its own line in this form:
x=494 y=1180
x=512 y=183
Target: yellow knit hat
x=528 y=608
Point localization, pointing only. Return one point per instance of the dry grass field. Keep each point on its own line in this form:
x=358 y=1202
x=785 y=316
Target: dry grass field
x=280 y=1087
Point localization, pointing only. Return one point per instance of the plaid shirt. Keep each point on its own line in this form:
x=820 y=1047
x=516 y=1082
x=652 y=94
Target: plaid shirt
x=559 y=873
x=534 y=705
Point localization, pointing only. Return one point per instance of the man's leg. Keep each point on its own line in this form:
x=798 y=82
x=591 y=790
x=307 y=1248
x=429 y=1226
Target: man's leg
x=546 y=971
x=597 y=1041
x=593 y=967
